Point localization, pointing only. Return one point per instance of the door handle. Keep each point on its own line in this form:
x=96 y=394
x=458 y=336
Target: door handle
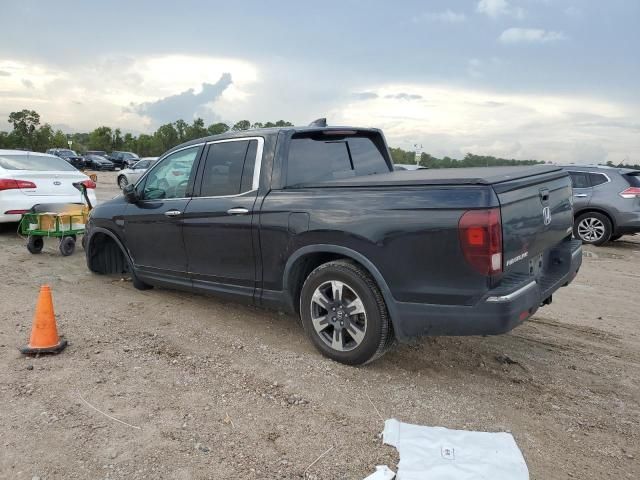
x=580 y=195
x=237 y=211
x=172 y=213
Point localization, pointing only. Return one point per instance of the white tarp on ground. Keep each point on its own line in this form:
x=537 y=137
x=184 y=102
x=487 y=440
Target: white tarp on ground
x=437 y=453
x=382 y=473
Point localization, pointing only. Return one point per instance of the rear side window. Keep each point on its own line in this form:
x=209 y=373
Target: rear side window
x=321 y=158
x=597 y=179
x=580 y=179
x=228 y=168
x=633 y=178
x=35 y=162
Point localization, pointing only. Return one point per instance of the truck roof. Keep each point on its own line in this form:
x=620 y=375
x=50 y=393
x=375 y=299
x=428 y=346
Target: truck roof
x=263 y=132
x=445 y=176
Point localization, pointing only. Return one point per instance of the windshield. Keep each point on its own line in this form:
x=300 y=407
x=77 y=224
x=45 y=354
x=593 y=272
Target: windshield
x=34 y=162
x=67 y=153
x=129 y=155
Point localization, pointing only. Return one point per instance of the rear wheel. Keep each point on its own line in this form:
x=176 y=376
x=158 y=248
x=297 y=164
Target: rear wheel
x=67 y=246
x=344 y=314
x=592 y=228
x=35 y=244
x=122 y=182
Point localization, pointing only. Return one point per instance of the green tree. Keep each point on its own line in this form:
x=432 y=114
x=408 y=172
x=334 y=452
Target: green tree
x=196 y=130
x=25 y=123
x=167 y=136
x=101 y=139
x=59 y=140
x=116 y=140
x=241 y=125
x=217 y=128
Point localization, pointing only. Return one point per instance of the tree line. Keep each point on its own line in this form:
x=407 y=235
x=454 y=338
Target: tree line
x=28 y=133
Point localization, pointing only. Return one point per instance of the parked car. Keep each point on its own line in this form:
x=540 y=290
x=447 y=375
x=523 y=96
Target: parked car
x=133 y=173
x=314 y=221
x=69 y=155
x=408 y=166
x=102 y=153
x=30 y=178
x=606 y=202
x=97 y=162
x=123 y=159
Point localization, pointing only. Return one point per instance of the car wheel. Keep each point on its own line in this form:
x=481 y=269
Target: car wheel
x=592 y=228
x=35 y=244
x=122 y=182
x=67 y=246
x=344 y=314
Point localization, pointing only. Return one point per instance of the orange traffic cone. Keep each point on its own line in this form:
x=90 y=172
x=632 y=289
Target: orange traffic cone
x=44 y=334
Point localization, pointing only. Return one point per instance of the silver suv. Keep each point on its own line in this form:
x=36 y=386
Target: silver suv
x=606 y=202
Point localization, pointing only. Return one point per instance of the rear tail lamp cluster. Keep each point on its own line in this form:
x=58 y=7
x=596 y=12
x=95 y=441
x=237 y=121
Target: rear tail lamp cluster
x=480 y=233
x=11 y=184
x=89 y=183
x=631 y=192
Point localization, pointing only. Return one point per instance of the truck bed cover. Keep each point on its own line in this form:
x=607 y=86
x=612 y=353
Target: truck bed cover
x=444 y=176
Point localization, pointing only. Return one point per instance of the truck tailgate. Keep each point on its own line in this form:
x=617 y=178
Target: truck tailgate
x=536 y=216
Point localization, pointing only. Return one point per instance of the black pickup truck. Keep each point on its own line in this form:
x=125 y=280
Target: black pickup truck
x=315 y=221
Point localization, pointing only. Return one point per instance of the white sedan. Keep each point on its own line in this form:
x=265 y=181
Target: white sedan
x=29 y=178
x=134 y=172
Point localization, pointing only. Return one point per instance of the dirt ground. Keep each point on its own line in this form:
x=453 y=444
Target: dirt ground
x=212 y=389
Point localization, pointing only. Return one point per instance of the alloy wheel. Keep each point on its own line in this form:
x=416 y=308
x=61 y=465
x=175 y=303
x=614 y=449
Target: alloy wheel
x=338 y=316
x=591 y=229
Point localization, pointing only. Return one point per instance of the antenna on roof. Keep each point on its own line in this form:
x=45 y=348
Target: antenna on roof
x=320 y=122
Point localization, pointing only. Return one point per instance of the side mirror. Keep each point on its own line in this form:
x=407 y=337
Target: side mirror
x=130 y=194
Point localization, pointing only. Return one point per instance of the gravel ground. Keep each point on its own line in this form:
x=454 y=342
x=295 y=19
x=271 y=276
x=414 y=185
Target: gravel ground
x=211 y=389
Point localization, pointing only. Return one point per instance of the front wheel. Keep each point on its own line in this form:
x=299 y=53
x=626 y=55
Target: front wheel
x=344 y=314
x=122 y=182
x=592 y=228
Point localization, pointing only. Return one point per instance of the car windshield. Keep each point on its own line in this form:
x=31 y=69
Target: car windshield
x=34 y=162
x=67 y=153
x=129 y=155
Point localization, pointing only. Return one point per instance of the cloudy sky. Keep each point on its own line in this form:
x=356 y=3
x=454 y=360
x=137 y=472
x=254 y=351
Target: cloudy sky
x=557 y=80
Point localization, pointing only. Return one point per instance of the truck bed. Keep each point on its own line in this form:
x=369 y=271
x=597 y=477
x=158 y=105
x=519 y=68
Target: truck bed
x=445 y=176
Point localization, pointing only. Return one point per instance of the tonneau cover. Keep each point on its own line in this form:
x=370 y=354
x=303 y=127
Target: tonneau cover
x=442 y=176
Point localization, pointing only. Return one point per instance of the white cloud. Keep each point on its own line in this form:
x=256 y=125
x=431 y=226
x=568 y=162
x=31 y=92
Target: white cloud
x=447 y=16
x=454 y=121
x=109 y=85
x=529 y=35
x=497 y=8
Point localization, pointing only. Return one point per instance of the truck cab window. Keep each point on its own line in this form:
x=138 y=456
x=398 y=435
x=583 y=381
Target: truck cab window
x=223 y=169
x=317 y=159
x=171 y=177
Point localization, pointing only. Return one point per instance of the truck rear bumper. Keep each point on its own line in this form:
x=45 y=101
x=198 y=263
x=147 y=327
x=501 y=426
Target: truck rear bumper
x=499 y=311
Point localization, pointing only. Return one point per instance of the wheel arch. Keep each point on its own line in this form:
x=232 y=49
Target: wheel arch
x=97 y=235
x=307 y=258
x=600 y=210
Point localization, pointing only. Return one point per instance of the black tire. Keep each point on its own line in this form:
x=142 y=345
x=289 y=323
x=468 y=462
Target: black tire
x=592 y=228
x=122 y=182
x=615 y=237
x=67 y=246
x=35 y=244
x=378 y=332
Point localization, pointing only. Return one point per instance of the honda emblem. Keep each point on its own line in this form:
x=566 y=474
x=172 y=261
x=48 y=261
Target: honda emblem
x=546 y=215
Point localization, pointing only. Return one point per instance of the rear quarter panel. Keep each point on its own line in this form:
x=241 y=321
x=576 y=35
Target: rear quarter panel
x=409 y=234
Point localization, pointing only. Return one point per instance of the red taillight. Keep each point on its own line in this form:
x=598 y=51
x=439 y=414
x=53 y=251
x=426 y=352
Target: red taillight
x=480 y=234
x=11 y=184
x=631 y=192
x=89 y=183
x=16 y=212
